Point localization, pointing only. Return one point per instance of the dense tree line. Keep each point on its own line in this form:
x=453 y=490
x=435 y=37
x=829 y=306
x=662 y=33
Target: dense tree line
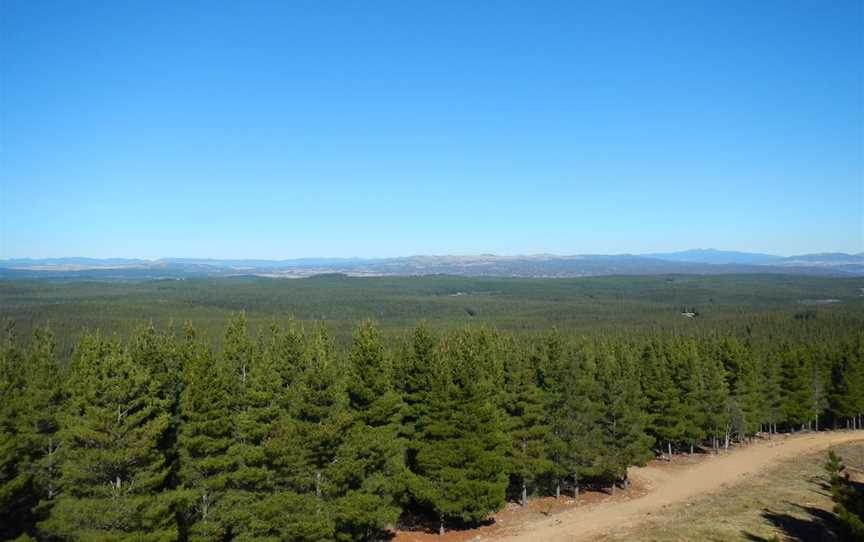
x=284 y=436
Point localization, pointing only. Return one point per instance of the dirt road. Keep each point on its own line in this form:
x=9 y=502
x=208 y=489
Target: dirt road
x=667 y=486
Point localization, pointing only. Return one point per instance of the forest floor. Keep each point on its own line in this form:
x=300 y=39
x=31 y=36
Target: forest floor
x=749 y=494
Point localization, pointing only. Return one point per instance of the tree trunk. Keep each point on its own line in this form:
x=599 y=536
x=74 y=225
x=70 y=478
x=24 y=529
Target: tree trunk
x=691 y=447
x=441 y=526
x=524 y=494
x=575 y=485
x=669 y=447
x=557 y=489
x=50 y=454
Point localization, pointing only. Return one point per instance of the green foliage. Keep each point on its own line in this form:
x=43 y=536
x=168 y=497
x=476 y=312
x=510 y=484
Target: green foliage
x=113 y=473
x=526 y=420
x=15 y=498
x=204 y=438
x=848 y=499
x=690 y=377
x=665 y=411
x=280 y=433
x=572 y=410
x=796 y=388
x=623 y=419
x=371 y=458
x=597 y=306
x=460 y=466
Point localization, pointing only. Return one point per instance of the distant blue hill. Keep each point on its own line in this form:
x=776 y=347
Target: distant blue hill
x=95 y=262
x=829 y=257
x=266 y=264
x=698 y=261
x=713 y=256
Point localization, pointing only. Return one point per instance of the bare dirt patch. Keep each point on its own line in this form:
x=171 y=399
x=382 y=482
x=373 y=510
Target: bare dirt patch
x=656 y=491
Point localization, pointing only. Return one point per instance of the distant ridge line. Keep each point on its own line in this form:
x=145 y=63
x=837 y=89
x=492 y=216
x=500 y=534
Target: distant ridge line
x=696 y=261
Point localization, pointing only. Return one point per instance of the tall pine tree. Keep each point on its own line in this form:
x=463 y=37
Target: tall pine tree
x=114 y=473
x=461 y=463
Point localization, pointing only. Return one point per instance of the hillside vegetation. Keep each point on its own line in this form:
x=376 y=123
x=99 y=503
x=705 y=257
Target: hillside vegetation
x=281 y=434
x=607 y=305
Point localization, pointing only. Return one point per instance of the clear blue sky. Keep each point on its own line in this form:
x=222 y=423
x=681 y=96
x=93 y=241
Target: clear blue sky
x=288 y=129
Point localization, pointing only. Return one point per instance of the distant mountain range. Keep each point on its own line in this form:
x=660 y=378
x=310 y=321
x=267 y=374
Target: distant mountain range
x=697 y=261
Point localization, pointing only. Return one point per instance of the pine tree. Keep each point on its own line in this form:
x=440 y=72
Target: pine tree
x=270 y=506
x=113 y=473
x=306 y=445
x=257 y=399
x=743 y=377
x=746 y=396
x=526 y=422
x=15 y=485
x=160 y=354
x=846 y=384
x=817 y=378
x=284 y=347
x=41 y=402
x=370 y=462
x=663 y=404
x=856 y=377
x=572 y=410
x=796 y=388
x=848 y=499
x=690 y=375
x=413 y=382
x=461 y=462
x=203 y=441
x=623 y=419
x=772 y=392
x=717 y=423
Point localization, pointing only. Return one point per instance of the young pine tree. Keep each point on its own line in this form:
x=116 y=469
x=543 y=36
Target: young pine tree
x=305 y=448
x=257 y=407
x=691 y=383
x=526 y=421
x=715 y=400
x=114 y=473
x=460 y=467
x=41 y=402
x=772 y=393
x=414 y=378
x=848 y=499
x=203 y=441
x=663 y=404
x=16 y=496
x=369 y=465
x=622 y=419
x=159 y=353
x=796 y=390
x=572 y=410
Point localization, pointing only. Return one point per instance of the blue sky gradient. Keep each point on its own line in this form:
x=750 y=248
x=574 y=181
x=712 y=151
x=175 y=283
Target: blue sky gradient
x=290 y=129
